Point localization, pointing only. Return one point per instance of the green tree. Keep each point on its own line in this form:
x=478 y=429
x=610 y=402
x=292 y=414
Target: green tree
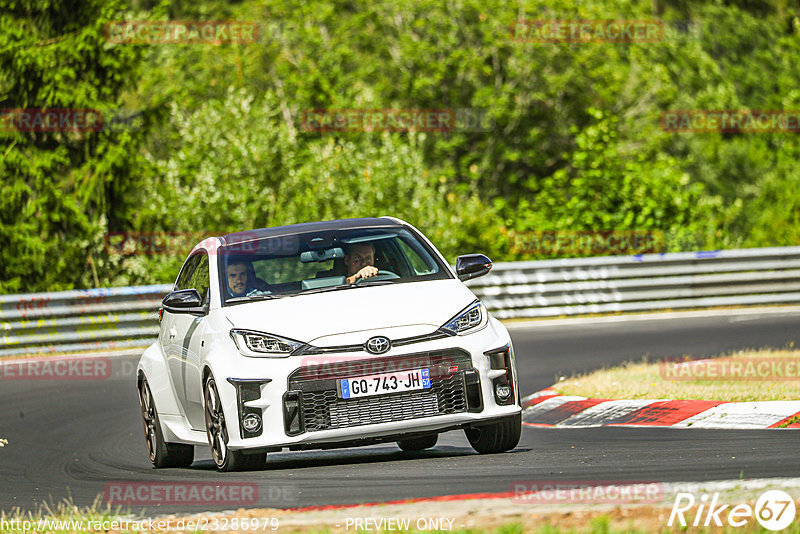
x=55 y=185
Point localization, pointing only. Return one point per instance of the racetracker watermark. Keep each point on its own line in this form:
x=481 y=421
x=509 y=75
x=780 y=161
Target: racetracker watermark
x=586 y=491
x=182 y=32
x=57 y=368
x=682 y=30
x=396 y=120
x=69 y=120
x=732 y=369
x=586 y=242
x=587 y=31
x=183 y=493
x=50 y=120
x=130 y=120
x=105 y=524
x=181 y=243
x=774 y=510
x=731 y=121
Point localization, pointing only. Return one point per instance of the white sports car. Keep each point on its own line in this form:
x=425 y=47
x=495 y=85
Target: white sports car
x=321 y=335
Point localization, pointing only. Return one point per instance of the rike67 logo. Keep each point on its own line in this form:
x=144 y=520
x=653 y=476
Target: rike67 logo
x=774 y=510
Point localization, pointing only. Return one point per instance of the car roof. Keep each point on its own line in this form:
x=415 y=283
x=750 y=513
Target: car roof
x=301 y=228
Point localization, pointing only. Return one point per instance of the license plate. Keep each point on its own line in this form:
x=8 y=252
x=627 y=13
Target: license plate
x=365 y=386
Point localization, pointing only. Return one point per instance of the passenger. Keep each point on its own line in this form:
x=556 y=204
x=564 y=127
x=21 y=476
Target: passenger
x=242 y=279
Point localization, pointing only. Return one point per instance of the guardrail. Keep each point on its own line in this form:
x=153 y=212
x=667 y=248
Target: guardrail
x=122 y=317
x=69 y=321
x=641 y=283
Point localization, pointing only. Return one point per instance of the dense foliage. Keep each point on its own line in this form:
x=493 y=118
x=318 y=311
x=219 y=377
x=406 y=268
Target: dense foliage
x=574 y=140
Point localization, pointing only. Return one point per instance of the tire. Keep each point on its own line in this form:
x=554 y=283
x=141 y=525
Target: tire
x=418 y=444
x=161 y=453
x=500 y=436
x=217 y=432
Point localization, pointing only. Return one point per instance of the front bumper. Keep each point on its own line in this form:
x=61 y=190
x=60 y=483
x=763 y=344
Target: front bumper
x=297 y=397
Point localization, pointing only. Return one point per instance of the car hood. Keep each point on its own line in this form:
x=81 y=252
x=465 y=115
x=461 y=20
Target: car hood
x=412 y=308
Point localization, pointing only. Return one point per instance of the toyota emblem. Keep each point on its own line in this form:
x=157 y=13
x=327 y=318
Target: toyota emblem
x=378 y=345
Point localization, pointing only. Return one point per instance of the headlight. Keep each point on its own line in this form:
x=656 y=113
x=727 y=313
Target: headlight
x=259 y=344
x=472 y=318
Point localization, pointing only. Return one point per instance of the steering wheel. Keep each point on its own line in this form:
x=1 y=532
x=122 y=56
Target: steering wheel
x=382 y=275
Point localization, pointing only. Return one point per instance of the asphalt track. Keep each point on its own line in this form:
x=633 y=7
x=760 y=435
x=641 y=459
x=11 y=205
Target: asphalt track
x=69 y=439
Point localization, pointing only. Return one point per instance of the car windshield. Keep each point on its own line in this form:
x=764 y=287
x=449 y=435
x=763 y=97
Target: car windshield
x=314 y=262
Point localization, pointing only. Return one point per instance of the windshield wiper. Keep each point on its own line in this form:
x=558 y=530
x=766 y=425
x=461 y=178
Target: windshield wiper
x=360 y=283
x=252 y=298
x=323 y=289
x=368 y=282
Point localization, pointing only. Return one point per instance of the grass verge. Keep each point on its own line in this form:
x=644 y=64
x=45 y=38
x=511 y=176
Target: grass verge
x=758 y=375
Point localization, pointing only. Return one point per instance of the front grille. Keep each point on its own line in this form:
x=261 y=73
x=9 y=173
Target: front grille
x=322 y=409
x=307 y=350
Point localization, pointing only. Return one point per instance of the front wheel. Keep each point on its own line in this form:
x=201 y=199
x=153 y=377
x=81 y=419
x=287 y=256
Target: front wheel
x=162 y=454
x=500 y=436
x=217 y=432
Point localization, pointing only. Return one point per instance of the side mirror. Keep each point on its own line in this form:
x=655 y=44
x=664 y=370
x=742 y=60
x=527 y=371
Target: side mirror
x=184 y=301
x=471 y=266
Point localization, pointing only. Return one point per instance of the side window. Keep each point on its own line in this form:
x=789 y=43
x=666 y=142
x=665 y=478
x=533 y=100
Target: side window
x=187 y=271
x=199 y=278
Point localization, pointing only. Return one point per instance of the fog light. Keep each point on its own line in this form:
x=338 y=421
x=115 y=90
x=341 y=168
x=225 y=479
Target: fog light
x=503 y=391
x=252 y=422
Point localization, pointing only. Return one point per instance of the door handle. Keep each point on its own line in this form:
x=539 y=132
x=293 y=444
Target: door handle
x=172 y=333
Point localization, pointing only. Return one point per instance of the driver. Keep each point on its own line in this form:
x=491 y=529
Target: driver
x=359 y=262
